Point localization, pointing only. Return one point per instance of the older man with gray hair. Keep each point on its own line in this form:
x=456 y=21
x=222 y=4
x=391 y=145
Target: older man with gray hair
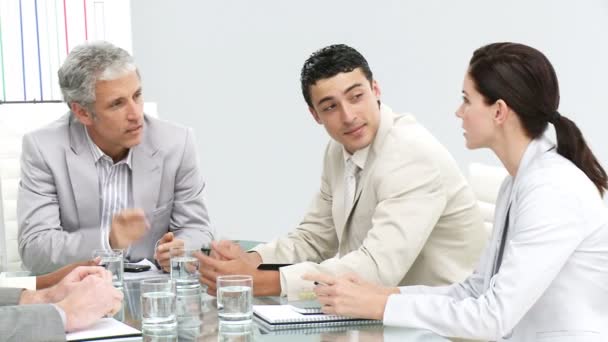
x=106 y=175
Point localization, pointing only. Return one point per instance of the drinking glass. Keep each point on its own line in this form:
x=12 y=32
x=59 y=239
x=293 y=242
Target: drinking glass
x=184 y=267
x=234 y=298
x=158 y=303
x=112 y=260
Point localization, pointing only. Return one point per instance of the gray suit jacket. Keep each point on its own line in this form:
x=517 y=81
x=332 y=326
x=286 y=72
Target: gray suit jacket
x=58 y=206
x=414 y=219
x=38 y=322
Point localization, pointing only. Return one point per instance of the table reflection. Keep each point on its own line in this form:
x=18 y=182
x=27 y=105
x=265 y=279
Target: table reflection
x=208 y=328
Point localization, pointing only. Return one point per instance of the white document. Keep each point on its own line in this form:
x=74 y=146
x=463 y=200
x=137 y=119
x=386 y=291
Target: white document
x=104 y=328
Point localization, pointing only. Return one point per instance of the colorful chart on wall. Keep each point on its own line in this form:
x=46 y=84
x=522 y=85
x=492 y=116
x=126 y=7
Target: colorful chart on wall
x=36 y=36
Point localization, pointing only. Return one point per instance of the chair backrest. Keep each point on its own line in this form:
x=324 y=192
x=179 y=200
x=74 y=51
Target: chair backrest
x=15 y=121
x=485 y=181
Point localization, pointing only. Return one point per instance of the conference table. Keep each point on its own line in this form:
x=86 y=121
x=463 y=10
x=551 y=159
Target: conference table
x=208 y=328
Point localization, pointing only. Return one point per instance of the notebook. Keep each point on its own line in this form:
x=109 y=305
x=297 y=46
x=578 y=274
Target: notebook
x=306 y=307
x=374 y=327
x=281 y=317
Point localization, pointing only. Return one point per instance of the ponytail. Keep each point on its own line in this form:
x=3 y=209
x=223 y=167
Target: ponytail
x=525 y=79
x=572 y=146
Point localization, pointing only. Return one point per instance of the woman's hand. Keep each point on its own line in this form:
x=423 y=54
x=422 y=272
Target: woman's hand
x=349 y=295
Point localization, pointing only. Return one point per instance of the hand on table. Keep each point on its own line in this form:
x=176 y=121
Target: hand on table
x=228 y=258
x=48 y=280
x=349 y=295
x=89 y=300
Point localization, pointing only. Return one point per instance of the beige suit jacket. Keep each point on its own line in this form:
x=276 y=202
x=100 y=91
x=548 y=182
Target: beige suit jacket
x=414 y=219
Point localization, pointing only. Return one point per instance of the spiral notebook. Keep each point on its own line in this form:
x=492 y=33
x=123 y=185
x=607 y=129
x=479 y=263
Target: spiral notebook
x=374 y=327
x=282 y=317
x=306 y=307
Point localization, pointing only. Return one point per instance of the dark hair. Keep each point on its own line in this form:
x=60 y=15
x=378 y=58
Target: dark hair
x=525 y=79
x=328 y=62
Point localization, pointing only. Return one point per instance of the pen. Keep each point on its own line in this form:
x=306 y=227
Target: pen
x=319 y=283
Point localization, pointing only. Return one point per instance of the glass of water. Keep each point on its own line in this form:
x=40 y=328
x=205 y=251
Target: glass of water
x=158 y=304
x=234 y=298
x=235 y=332
x=112 y=260
x=184 y=267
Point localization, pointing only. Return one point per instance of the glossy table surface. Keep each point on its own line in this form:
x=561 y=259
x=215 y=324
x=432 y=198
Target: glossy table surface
x=207 y=327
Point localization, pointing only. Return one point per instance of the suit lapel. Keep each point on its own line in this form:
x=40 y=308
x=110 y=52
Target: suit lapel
x=146 y=173
x=386 y=123
x=534 y=149
x=83 y=175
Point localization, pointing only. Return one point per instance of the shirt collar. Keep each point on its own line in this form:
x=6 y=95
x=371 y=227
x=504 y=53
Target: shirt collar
x=359 y=157
x=535 y=148
x=99 y=154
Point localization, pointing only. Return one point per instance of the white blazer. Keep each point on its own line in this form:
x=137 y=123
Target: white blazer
x=553 y=281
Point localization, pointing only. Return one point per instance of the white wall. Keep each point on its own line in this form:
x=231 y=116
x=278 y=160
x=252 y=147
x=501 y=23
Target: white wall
x=230 y=70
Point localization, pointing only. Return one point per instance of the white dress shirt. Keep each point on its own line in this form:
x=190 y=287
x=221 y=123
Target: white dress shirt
x=115 y=187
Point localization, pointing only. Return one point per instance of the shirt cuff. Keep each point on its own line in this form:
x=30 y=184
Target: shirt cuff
x=61 y=314
x=292 y=284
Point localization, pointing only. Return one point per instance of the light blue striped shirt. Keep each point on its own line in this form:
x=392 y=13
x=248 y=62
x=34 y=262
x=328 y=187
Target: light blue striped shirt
x=115 y=187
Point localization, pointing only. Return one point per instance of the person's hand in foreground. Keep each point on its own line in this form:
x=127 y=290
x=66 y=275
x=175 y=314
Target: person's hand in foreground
x=89 y=300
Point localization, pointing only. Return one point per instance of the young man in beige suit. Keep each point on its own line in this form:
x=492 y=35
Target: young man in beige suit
x=393 y=205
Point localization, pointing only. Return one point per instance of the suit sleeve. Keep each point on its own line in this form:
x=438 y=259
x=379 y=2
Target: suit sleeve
x=411 y=199
x=544 y=235
x=315 y=237
x=9 y=296
x=470 y=287
x=43 y=244
x=189 y=218
x=36 y=322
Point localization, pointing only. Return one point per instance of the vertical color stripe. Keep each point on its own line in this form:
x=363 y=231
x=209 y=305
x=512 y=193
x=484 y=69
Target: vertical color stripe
x=65 y=24
x=2 y=59
x=38 y=48
x=48 y=48
x=22 y=52
x=57 y=32
x=86 y=31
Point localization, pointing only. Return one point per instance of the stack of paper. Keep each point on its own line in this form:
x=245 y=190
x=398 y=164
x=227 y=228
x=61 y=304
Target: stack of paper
x=104 y=328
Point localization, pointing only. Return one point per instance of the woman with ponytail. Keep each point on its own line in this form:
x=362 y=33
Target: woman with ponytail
x=544 y=273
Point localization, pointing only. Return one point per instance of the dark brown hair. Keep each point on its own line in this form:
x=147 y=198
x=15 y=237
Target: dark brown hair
x=525 y=79
x=328 y=62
